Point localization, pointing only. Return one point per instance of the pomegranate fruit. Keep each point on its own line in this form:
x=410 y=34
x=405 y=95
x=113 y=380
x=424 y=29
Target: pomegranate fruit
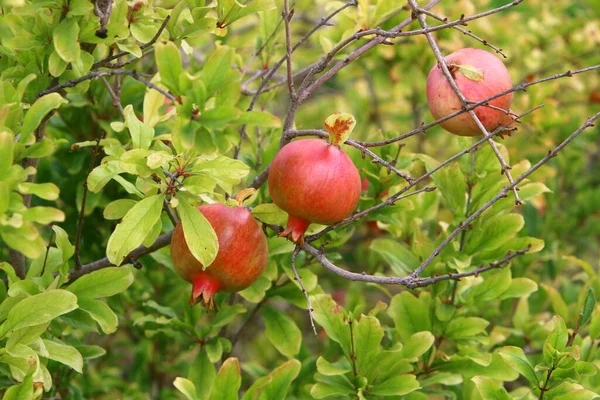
x=313 y=181
x=479 y=75
x=241 y=259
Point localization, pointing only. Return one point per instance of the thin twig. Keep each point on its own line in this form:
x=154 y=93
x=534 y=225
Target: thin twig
x=105 y=61
x=95 y=152
x=170 y=212
x=162 y=241
x=116 y=101
x=47 y=252
x=287 y=16
x=299 y=280
x=466 y=32
x=99 y=74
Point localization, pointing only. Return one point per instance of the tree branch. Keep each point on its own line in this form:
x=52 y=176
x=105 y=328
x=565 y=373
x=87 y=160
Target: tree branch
x=105 y=62
x=99 y=74
x=162 y=241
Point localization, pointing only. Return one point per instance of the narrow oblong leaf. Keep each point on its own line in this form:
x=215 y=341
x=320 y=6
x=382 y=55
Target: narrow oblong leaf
x=134 y=228
x=282 y=331
x=39 y=309
x=228 y=381
x=105 y=282
x=199 y=235
x=65 y=40
x=588 y=306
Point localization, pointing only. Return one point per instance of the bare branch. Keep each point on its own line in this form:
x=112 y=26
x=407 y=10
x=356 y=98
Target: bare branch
x=287 y=16
x=95 y=152
x=162 y=241
x=299 y=280
x=100 y=74
x=105 y=62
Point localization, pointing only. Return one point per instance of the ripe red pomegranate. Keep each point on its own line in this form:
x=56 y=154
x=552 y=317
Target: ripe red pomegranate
x=479 y=75
x=313 y=181
x=242 y=256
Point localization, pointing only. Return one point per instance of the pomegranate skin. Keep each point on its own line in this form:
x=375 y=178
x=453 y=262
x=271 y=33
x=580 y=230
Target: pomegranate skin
x=242 y=257
x=443 y=101
x=313 y=181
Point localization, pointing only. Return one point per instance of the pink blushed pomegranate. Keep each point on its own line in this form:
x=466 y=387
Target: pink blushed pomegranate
x=479 y=75
x=314 y=182
x=241 y=259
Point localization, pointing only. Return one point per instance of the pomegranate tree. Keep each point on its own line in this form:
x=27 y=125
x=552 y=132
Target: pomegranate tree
x=479 y=75
x=314 y=181
x=241 y=259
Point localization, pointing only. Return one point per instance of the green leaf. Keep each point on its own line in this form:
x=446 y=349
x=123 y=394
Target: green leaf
x=494 y=232
x=43 y=215
x=519 y=287
x=39 y=309
x=63 y=243
x=396 y=386
x=24 y=391
x=282 y=332
x=326 y=368
x=202 y=371
x=466 y=327
x=6 y=153
x=228 y=381
x=367 y=338
x=89 y=352
x=218 y=118
x=223 y=171
x=331 y=317
x=558 y=304
x=515 y=357
x=135 y=227
x=470 y=72
x=26 y=335
x=46 y=191
x=199 y=235
x=330 y=386
x=259 y=118
x=104 y=282
x=102 y=174
x=65 y=40
x=168 y=60
x=560 y=335
x=101 y=313
x=64 y=354
x=186 y=387
x=216 y=67
x=141 y=134
x=274 y=386
x=490 y=389
x=417 y=345
x=269 y=213
x=410 y=315
x=588 y=306
x=397 y=255
x=118 y=209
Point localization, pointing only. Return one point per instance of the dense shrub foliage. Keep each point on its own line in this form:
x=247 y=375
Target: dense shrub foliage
x=118 y=118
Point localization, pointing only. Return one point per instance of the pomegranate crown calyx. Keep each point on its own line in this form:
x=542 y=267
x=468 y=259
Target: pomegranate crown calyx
x=339 y=126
